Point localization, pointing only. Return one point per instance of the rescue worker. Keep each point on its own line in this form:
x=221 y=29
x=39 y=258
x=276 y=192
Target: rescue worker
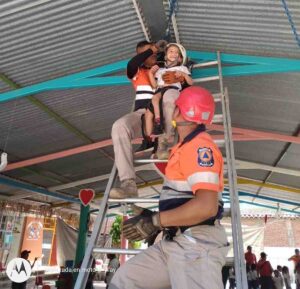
x=193 y=250
x=129 y=127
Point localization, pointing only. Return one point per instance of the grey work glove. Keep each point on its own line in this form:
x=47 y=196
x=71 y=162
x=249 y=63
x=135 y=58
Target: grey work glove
x=161 y=45
x=146 y=224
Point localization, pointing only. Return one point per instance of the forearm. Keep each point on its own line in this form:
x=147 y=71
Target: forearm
x=188 y=79
x=136 y=62
x=193 y=212
x=152 y=80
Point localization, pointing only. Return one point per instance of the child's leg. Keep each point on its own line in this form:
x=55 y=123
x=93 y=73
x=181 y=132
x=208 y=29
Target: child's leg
x=148 y=122
x=155 y=102
x=147 y=126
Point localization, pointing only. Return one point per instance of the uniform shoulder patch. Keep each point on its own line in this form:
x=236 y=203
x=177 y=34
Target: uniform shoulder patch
x=205 y=157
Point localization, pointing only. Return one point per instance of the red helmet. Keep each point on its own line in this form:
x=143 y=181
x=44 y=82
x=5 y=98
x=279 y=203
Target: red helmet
x=196 y=104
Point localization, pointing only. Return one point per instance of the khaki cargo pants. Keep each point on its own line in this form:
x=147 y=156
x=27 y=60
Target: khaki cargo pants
x=192 y=260
x=128 y=128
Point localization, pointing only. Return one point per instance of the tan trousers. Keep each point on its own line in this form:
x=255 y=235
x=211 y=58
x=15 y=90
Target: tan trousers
x=187 y=262
x=128 y=127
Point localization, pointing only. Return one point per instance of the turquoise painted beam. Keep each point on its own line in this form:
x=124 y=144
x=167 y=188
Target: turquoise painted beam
x=244 y=70
x=91 y=82
x=39 y=190
x=233 y=71
x=242 y=59
x=50 y=84
x=253 y=65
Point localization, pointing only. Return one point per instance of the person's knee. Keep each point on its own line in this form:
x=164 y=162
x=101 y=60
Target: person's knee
x=118 y=279
x=112 y=286
x=119 y=128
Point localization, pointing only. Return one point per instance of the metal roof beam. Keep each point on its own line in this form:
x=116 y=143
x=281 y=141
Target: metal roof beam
x=244 y=165
x=257 y=133
x=246 y=135
x=141 y=18
x=258 y=65
x=28 y=187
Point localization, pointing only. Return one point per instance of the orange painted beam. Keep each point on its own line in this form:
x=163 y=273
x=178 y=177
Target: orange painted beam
x=240 y=134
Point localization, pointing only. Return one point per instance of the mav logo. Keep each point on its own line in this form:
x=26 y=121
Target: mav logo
x=18 y=270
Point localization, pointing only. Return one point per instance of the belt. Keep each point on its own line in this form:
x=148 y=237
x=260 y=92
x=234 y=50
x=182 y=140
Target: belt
x=170 y=232
x=165 y=88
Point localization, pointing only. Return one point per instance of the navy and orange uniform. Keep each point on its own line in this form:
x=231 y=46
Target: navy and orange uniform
x=138 y=74
x=194 y=164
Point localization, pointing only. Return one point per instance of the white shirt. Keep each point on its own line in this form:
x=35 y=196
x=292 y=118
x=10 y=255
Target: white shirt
x=278 y=282
x=287 y=280
x=253 y=275
x=160 y=72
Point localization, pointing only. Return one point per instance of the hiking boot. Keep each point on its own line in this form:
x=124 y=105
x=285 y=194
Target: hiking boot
x=127 y=189
x=158 y=130
x=146 y=145
x=162 y=152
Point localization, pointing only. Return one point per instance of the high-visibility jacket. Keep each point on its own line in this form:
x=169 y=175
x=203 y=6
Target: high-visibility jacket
x=194 y=164
x=143 y=88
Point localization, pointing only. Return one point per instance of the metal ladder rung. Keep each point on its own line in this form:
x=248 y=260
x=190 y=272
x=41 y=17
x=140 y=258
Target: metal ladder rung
x=227 y=212
x=204 y=64
x=150 y=161
x=217 y=97
x=134 y=200
x=204 y=79
x=218 y=118
x=219 y=142
x=117 y=251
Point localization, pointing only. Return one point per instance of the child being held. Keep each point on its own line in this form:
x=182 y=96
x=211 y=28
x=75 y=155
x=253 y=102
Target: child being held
x=175 y=58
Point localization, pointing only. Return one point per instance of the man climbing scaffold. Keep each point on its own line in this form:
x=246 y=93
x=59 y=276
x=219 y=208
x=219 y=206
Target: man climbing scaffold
x=194 y=246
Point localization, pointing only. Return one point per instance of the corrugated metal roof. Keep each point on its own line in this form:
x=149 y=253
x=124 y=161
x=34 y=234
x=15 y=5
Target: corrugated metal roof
x=47 y=39
x=31 y=132
x=255 y=27
x=108 y=104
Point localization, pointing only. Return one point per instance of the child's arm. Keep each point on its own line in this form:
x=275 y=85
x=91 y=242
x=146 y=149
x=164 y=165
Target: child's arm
x=151 y=73
x=187 y=78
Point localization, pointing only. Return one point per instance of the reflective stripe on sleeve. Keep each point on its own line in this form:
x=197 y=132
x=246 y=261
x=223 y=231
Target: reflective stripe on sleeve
x=203 y=177
x=181 y=186
x=143 y=96
x=144 y=87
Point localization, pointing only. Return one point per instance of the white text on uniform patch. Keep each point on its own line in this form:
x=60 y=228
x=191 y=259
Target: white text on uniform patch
x=205 y=157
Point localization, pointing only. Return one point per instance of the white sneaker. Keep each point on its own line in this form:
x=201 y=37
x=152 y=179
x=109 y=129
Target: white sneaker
x=127 y=189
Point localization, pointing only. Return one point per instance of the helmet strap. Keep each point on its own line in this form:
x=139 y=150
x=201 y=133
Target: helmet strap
x=184 y=123
x=172 y=64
